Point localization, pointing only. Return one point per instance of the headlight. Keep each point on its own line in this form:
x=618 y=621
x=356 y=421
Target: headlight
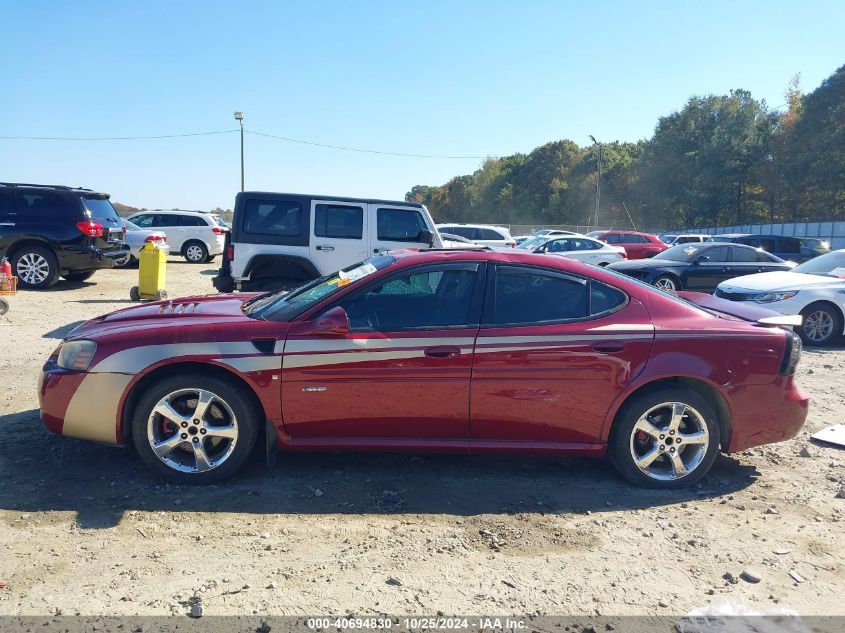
x=76 y=355
x=769 y=297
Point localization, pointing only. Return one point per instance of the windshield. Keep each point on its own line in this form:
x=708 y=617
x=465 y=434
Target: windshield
x=682 y=252
x=824 y=264
x=532 y=242
x=668 y=239
x=541 y=232
x=101 y=209
x=283 y=305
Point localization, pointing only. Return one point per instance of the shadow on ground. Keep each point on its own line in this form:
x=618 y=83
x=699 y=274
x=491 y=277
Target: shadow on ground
x=45 y=473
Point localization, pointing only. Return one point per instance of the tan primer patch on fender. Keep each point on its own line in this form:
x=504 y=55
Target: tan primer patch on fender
x=92 y=412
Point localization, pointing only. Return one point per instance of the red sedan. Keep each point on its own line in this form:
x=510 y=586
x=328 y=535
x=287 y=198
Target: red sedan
x=637 y=245
x=463 y=351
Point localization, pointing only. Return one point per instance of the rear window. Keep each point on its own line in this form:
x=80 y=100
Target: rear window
x=264 y=217
x=101 y=208
x=219 y=221
x=400 y=225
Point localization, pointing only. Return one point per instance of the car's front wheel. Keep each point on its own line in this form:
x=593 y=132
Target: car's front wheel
x=196 y=429
x=667 y=283
x=35 y=267
x=195 y=252
x=822 y=324
x=665 y=439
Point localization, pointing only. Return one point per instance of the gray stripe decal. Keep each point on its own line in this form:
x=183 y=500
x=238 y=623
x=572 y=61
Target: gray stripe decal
x=247 y=364
x=366 y=344
x=133 y=360
x=318 y=360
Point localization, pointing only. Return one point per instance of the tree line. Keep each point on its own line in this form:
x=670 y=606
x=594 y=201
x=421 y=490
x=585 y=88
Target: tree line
x=720 y=160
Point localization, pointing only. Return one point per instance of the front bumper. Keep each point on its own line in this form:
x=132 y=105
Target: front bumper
x=81 y=404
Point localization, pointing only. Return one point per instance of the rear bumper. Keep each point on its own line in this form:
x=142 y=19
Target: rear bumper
x=89 y=257
x=764 y=414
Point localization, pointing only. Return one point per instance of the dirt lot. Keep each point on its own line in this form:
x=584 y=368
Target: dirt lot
x=86 y=529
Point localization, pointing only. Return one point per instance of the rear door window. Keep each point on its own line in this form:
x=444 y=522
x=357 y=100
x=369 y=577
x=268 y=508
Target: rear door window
x=524 y=296
x=741 y=254
x=789 y=245
x=768 y=244
x=399 y=225
x=468 y=232
x=717 y=254
x=491 y=234
x=630 y=238
x=339 y=221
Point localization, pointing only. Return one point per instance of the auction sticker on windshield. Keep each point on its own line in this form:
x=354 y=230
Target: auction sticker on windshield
x=347 y=277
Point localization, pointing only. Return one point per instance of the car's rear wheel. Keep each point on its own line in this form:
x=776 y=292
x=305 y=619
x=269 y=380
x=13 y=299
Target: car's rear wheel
x=196 y=429
x=81 y=275
x=36 y=267
x=667 y=283
x=195 y=252
x=822 y=324
x=665 y=439
x=123 y=262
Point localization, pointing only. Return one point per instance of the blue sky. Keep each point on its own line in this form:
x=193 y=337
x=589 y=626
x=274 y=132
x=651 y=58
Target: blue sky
x=471 y=78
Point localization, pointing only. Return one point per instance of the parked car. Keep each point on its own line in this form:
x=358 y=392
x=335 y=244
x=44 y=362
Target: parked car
x=137 y=238
x=580 y=247
x=787 y=248
x=816 y=246
x=483 y=234
x=49 y=231
x=280 y=240
x=637 y=245
x=519 y=239
x=814 y=289
x=684 y=238
x=465 y=351
x=456 y=241
x=198 y=236
x=700 y=266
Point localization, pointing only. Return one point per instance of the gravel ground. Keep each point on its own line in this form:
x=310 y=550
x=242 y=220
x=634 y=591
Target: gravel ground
x=86 y=528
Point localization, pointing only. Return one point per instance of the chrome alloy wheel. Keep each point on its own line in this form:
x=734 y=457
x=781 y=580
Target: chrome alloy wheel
x=818 y=326
x=666 y=284
x=669 y=441
x=33 y=268
x=194 y=253
x=192 y=430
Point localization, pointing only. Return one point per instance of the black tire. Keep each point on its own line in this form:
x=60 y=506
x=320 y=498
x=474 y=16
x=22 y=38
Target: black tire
x=239 y=400
x=82 y=275
x=625 y=440
x=664 y=281
x=4 y=306
x=23 y=261
x=210 y=258
x=195 y=252
x=135 y=293
x=824 y=315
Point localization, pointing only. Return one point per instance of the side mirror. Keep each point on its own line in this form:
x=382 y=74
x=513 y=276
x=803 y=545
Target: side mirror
x=426 y=237
x=335 y=322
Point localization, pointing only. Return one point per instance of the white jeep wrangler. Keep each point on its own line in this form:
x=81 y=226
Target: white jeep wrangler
x=280 y=240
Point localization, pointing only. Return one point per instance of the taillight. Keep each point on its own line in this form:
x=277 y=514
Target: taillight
x=155 y=238
x=230 y=253
x=218 y=231
x=91 y=229
x=792 y=354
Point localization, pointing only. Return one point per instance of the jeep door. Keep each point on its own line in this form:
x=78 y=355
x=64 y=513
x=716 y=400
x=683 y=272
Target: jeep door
x=339 y=234
x=401 y=372
x=393 y=227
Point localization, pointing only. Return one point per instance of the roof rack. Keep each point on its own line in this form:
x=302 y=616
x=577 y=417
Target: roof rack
x=30 y=184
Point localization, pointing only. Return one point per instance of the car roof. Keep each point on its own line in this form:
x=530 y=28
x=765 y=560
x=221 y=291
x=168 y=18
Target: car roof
x=623 y=232
x=729 y=235
x=401 y=203
x=79 y=190
x=473 y=226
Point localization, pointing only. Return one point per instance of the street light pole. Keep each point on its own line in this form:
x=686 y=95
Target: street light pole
x=239 y=116
x=598 y=179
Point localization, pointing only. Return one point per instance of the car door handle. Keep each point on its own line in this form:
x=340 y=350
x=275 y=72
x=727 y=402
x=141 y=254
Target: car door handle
x=443 y=351
x=608 y=347
x=327 y=249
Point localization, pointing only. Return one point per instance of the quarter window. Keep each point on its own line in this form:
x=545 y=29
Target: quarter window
x=432 y=299
x=339 y=221
x=43 y=204
x=273 y=218
x=490 y=234
x=400 y=225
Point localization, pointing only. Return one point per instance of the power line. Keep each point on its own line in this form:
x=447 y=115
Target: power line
x=288 y=139
x=112 y=138
x=359 y=149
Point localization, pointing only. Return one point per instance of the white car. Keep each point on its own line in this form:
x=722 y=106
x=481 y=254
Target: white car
x=137 y=238
x=196 y=235
x=684 y=238
x=814 y=289
x=456 y=241
x=584 y=249
x=519 y=239
x=483 y=234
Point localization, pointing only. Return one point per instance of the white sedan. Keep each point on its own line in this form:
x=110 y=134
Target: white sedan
x=584 y=249
x=137 y=238
x=815 y=290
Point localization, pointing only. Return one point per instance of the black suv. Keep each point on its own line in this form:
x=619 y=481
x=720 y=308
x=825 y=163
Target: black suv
x=50 y=231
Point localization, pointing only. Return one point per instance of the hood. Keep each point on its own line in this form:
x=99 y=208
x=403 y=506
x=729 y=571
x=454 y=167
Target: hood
x=644 y=264
x=211 y=308
x=784 y=280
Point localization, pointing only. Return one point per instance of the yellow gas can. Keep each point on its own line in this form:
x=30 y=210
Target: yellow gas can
x=152 y=274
